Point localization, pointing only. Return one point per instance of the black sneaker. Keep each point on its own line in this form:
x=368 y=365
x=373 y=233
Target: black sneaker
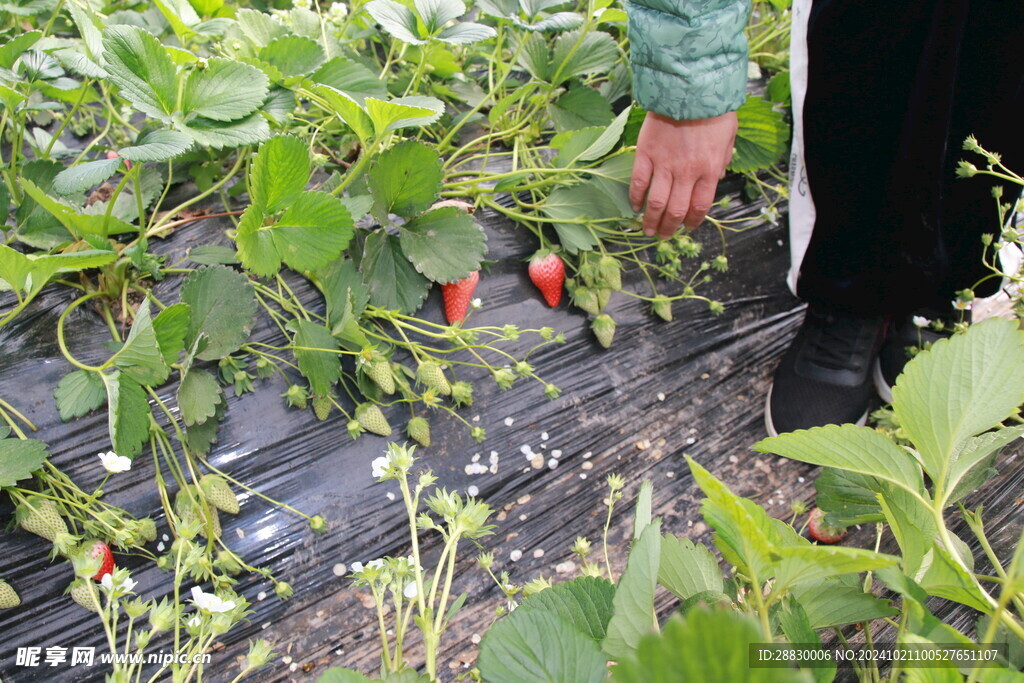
x=825 y=377
x=903 y=339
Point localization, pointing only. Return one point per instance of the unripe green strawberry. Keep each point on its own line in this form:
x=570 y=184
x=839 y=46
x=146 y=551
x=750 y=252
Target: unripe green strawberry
x=662 y=307
x=372 y=420
x=84 y=594
x=321 y=406
x=379 y=370
x=39 y=516
x=585 y=299
x=219 y=494
x=432 y=376
x=419 y=430
x=8 y=596
x=188 y=509
x=147 y=529
x=610 y=271
x=604 y=329
x=462 y=393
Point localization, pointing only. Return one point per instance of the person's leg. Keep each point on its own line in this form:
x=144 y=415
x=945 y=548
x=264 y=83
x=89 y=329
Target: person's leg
x=887 y=88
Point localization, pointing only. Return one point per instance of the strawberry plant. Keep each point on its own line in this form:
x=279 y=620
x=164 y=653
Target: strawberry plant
x=781 y=590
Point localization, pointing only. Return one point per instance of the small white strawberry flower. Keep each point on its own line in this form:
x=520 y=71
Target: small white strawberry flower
x=194 y=621
x=476 y=303
x=124 y=587
x=410 y=591
x=337 y=13
x=375 y=564
x=208 y=602
x=921 y=321
x=380 y=466
x=356 y=567
x=113 y=462
x=961 y=305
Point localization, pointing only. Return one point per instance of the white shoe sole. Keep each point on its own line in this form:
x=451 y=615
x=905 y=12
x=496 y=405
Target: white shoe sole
x=881 y=386
x=770 y=427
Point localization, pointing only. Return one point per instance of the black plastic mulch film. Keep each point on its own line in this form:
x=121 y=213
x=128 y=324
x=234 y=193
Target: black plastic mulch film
x=695 y=385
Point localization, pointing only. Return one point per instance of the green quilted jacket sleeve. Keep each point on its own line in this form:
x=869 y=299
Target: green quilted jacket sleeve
x=689 y=57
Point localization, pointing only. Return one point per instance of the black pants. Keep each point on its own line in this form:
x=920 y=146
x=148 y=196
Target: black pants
x=893 y=89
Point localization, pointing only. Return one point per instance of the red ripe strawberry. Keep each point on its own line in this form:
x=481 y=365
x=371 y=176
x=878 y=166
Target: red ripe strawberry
x=457 y=296
x=821 y=531
x=102 y=550
x=547 y=271
x=113 y=155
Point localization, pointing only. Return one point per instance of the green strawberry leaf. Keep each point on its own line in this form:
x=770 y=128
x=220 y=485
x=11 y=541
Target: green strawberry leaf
x=78 y=393
x=744 y=532
x=139 y=65
x=852 y=448
x=404 y=112
x=586 y=603
x=687 y=568
x=257 y=27
x=705 y=645
x=31 y=273
x=256 y=249
x=128 y=422
x=321 y=367
x=396 y=19
x=278 y=173
x=199 y=394
x=213 y=254
x=343 y=289
x=157 y=145
x=589 y=144
x=345 y=107
x=140 y=358
x=77 y=223
x=350 y=77
x=762 y=138
x=847 y=498
x=466 y=32
x=833 y=602
x=572 y=56
x=634 y=597
x=220 y=134
x=580 y=107
x=16 y=46
x=293 y=55
x=445 y=244
x=223 y=305
x=797 y=628
x=812 y=562
x=959 y=388
x=19 y=458
x=312 y=231
x=392 y=280
x=171 y=327
x=538 y=646
x=226 y=90
x=83 y=176
x=406 y=179
x=200 y=437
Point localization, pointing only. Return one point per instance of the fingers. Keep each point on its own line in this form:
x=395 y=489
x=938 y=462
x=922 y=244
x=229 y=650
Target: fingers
x=657 y=201
x=701 y=199
x=639 y=182
x=678 y=207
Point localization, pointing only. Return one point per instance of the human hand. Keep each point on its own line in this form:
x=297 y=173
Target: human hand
x=677 y=168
